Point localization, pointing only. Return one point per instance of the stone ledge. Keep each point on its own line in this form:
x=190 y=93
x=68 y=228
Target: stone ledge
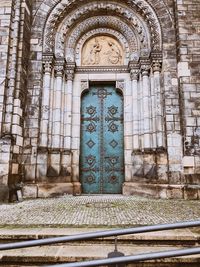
x=164 y=191
x=83 y=252
x=52 y=190
x=168 y=237
x=46 y=190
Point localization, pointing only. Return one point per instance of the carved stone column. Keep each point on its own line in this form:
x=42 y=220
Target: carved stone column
x=146 y=90
x=57 y=104
x=84 y=85
x=47 y=67
x=69 y=72
x=159 y=122
x=135 y=109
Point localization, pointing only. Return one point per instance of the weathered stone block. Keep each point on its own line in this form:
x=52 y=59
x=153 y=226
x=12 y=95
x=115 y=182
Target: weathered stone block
x=175 y=191
x=30 y=191
x=183 y=69
x=52 y=190
x=29 y=172
x=191 y=192
x=188 y=161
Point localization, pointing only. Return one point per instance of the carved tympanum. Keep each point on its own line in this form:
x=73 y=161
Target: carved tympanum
x=102 y=51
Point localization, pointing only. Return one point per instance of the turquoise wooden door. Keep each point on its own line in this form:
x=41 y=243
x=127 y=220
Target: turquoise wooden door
x=102 y=149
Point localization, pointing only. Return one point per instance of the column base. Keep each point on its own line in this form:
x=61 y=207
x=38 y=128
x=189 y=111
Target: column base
x=77 y=188
x=163 y=191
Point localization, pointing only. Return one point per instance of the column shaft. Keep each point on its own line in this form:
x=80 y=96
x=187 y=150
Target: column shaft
x=45 y=105
x=153 y=113
x=57 y=108
x=135 y=110
x=159 y=110
x=141 y=114
x=147 y=109
x=68 y=115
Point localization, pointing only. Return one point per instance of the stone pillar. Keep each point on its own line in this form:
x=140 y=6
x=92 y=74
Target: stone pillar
x=48 y=64
x=146 y=89
x=12 y=67
x=153 y=113
x=159 y=122
x=67 y=121
x=79 y=88
x=135 y=108
x=69 y=71
x=57 y=104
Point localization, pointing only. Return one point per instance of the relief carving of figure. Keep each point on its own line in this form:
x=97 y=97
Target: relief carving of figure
x=114 y=54
x=94 y=54
x=102 y=51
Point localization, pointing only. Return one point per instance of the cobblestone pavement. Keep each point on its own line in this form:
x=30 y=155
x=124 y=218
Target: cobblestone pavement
x=106 y=210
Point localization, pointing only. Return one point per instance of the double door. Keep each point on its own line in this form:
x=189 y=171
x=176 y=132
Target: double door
x=102 y=145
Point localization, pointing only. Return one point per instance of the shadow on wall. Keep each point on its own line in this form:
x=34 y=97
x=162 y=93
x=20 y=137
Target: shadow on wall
x=4 y=193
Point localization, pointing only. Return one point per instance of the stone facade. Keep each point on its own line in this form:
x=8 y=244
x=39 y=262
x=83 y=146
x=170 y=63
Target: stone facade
x=50 y=53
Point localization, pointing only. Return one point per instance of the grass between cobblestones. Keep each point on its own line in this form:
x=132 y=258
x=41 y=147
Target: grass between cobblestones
x=96 y=211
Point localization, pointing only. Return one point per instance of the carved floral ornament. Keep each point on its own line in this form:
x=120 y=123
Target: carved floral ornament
x=127 y=12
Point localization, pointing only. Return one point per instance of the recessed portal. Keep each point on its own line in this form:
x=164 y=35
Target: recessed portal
x=102 y=144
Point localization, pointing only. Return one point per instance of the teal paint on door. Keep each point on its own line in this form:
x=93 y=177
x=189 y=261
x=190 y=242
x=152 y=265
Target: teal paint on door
x=102 y=145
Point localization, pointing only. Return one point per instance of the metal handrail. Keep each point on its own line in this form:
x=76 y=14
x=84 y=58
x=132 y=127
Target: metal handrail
x=131 y=259
x=99 y=234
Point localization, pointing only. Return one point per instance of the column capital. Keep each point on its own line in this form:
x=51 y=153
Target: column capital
x=145 y=69
x=134 y=73
x=69 y=70
x=156 y=58
x=134 y=68
x=156 y=66
x=145 y=64
x=48 y=62
x=59 y=67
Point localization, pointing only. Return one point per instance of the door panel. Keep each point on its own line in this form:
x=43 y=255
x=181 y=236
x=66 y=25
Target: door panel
x=102 y=160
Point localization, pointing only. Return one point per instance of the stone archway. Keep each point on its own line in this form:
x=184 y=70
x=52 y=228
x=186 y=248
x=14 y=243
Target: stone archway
x=79 y=46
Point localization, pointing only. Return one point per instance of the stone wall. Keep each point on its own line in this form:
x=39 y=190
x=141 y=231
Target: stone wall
x=16 y=23
x=5 y=21
x=188 y=56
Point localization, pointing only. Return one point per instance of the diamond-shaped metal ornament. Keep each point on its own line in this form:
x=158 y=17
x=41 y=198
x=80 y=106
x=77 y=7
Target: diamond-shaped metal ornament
x=90 y=143
x=113 y=143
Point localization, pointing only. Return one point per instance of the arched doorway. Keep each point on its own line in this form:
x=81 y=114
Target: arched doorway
x=102 y=140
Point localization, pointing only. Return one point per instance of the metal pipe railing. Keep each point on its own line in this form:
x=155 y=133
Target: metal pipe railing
x=131 y=259
x=99 y=234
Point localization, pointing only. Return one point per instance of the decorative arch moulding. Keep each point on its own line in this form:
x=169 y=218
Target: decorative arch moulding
x=143 y=19
x=109 y=22
x=131 y=17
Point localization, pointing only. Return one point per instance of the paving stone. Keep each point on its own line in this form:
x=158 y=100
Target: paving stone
x=104 y=210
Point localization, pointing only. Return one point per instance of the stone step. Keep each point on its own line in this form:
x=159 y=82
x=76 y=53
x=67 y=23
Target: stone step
x=82 y=252
x=96 y=249
x=170 y=237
